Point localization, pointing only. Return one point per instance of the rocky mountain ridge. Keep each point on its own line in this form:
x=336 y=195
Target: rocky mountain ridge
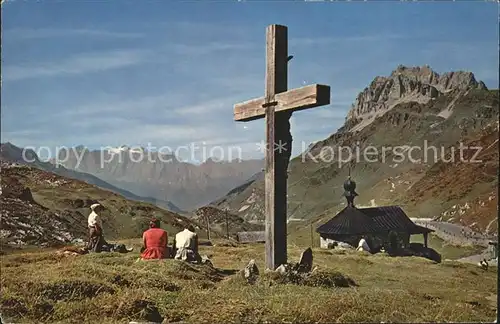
x=406 y=84
x=471 y=115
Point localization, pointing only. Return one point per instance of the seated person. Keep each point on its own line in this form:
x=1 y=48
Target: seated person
x=363 y=245
x=155 y=242
x=186 y=245
x=96 y=238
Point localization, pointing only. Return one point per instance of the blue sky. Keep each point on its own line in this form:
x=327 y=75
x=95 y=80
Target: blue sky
x=168 y=73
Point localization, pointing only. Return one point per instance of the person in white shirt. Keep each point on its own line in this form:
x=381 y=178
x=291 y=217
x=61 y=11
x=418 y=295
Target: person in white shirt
x=186 y=245
x=96 y=239
x=94 y=218
x=363 y=245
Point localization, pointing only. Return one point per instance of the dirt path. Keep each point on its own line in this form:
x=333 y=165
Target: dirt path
x=453 y=233
x=459 y=235
x=475 y=259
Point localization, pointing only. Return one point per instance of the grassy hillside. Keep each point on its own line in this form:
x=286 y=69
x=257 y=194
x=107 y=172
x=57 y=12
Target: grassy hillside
x=40 y=207
x=113 y=288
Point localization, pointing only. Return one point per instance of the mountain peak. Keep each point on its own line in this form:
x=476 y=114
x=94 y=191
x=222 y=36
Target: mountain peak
x=452 y=80
x=403 y=68
x=422 y=72
x=8 y=146
x=13 y=153
x=406 y=84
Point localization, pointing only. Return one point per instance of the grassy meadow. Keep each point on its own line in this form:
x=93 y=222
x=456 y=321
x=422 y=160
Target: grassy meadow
x=44 y=287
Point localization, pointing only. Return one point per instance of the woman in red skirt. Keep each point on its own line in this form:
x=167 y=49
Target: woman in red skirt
x=155 y=242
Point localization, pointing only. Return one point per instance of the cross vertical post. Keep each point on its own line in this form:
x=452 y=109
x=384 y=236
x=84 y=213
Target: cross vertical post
x=278 y=148
x=277 y=107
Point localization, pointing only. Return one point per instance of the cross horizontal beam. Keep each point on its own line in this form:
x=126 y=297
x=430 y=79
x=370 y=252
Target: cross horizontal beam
x=292 y=100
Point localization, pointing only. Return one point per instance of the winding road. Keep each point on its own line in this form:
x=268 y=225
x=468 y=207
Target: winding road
x=453 y=233
x=459 y=235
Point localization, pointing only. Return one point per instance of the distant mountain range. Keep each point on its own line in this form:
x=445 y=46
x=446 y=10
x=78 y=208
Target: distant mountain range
x=162 y=177
x=11 y=153
x=412 y=107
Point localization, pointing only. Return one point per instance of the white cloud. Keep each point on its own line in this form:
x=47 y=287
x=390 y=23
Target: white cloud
x=17 y=34
x=206 y=108
x=147 y=104
x=202 y=29
x=164 y=107
x=307 y=41
x=204 y=49
x=26 y=133
x=76 y=64
x=241 y=83
x=188 y=56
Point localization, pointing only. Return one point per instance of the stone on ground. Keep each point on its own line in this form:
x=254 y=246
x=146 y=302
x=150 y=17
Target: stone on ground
x=205 y=260
x=283 y=268
x=251 y=272
x=306 y=260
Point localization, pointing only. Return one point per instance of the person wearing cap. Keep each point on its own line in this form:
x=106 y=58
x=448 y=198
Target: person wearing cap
x=155 y=242
x=96 y=239
x=186 y=245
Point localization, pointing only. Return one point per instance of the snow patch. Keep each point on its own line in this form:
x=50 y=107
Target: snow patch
x=243 y=208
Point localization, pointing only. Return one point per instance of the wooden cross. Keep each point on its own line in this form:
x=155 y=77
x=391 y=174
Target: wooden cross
x=277 y=107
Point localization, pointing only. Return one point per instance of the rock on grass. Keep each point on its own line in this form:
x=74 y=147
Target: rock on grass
x=328 y=279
